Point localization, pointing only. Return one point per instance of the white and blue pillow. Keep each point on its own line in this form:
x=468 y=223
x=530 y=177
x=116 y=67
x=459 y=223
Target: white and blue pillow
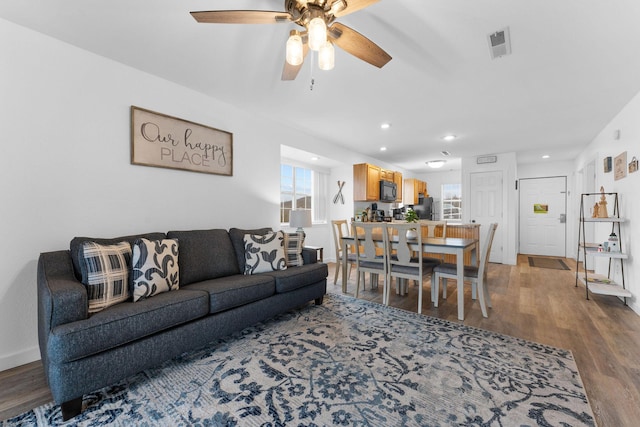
x=154 y=267
x=264 y=253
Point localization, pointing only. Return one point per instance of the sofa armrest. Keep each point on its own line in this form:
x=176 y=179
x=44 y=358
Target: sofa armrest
x=309 y=256
x=61 y=297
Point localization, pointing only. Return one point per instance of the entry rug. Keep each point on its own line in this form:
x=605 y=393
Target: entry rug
x=552 y=263
x=347 y=362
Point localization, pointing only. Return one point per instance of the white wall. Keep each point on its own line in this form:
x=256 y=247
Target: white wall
x=605 y=145
x=65 y=166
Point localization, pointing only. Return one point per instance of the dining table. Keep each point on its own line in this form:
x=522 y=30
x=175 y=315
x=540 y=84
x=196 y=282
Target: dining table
x=439 y=245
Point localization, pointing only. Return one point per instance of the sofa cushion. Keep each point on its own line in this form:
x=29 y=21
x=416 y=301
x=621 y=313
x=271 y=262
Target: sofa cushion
x=264 y=252
x=237 y=239
x=298 y=277
x=105 y=274
x=76 y=246
x=124 y=323
x=204 y=255
x=293 y=243
x=233 y=291
x=154 y=267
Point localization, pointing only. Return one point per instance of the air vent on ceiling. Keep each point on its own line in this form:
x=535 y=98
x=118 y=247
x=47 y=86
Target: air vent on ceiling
x=499 y=43
x=445 y=153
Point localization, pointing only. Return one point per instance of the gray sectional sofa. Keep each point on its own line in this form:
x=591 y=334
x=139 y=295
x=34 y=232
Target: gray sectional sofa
x=82 y=353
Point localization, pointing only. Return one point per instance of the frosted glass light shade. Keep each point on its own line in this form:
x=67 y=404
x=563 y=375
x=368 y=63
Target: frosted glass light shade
x=294 y=53
x=327 y=56
x=317 y=33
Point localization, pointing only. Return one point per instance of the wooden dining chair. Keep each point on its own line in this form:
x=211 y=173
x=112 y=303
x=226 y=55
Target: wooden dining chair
x=404 y=262
x=367 y=258
x=430 y=227
x=477 y=276
x=340 y=228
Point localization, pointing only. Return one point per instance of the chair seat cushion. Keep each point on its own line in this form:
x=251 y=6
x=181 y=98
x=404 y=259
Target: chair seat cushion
x=452 y=270
x=124 y=323
x=233 y=291
x=298 y=277
x=372 y=264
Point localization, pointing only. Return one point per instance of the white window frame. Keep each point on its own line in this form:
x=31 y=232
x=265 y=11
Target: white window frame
x=318 y=196
x=451 y=203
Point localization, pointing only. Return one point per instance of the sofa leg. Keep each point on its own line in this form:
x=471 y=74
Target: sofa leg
x=71 y=408
x=319 y=300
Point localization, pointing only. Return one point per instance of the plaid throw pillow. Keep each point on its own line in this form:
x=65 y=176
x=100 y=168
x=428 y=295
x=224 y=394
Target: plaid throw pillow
x=154 y=267
x=293 y=243
x=264 y=253
x=105 y=273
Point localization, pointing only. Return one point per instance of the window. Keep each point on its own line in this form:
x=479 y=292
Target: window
x=302 y=188
x=451 y=202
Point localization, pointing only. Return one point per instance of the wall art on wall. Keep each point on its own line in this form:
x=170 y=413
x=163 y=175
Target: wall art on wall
x=620 y=166
x=607 y=164
x=633 y=165
x=169 y=142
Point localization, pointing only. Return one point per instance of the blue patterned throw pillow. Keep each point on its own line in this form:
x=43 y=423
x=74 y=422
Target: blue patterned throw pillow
x=154 y=267
x=105 y=273
x=293 y=243
x=264 y=252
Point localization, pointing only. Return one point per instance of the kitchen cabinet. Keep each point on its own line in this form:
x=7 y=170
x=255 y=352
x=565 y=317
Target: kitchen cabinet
x=366 y=181
x=397 y=178
x=412 y=189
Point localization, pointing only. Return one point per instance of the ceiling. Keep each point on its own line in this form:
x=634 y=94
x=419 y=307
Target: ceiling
x=574 y=65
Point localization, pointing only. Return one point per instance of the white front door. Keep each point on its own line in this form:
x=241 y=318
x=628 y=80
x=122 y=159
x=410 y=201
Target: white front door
x=486 y=208
x=543 y=208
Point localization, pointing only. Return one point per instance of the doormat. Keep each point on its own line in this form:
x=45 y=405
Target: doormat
x=552 y=263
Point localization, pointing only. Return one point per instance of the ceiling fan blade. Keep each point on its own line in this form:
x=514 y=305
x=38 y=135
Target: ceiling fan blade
x=354 y=6
x=358 y=45
x=241 y=17
x=290 y=72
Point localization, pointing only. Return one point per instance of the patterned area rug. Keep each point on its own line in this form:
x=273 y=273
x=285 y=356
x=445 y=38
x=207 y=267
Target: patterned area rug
x=552 y=263
x=347 y=362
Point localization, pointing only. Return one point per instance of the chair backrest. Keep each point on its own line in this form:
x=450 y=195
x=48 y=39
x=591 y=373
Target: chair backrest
x=431 y=227
x=404 y=253
x=364 y=233
x=486 y=249
x=338 y=227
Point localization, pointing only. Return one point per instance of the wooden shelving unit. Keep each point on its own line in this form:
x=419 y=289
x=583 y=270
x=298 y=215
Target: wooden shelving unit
x=597 y=283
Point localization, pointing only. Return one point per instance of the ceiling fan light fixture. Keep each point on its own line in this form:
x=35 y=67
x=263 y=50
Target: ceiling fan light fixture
x=436 y=163
x=317 y=33
x=326 y=56
x=338 y=6
x=294 y=54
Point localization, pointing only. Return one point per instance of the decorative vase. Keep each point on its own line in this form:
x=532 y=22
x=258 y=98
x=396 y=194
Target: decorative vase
x=412 y=234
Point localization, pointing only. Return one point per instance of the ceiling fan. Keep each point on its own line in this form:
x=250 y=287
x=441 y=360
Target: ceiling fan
x=320 y=31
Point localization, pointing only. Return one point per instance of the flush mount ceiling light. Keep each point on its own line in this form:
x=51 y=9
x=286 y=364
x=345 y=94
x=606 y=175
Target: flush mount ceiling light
x=383 y=148
x=320 y=33
x=436 y=163
x=385 y=125
x=546 y=156
x=449 y=138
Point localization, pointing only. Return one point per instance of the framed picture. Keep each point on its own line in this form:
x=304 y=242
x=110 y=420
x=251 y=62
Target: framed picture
x=620 y=166
x=607 y=164
x=169 y=142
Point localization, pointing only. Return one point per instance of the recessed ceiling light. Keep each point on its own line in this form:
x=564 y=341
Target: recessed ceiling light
x=383 y=148
x=436 y=163
x=314 y=158
x=449 y=138
x=385 y=126
x=546 y=156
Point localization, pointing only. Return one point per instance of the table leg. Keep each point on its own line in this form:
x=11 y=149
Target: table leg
x=345 y=265
x=460 y=271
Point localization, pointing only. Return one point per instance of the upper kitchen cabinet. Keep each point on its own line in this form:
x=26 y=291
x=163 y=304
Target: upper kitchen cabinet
x=397 y=178
x=366 y=181
x=412 y=189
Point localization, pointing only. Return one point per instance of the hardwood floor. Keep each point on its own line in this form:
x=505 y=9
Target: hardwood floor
x=532 y=303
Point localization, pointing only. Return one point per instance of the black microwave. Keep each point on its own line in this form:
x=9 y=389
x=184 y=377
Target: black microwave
x=388 y=191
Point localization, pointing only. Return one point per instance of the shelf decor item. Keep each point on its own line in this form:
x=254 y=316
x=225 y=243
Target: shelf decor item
x=602 y=205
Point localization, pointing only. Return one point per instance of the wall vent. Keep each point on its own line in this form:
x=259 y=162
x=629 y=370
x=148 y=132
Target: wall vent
x=499 y=43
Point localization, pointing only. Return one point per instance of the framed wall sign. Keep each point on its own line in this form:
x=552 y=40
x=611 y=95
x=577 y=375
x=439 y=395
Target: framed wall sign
x=620 y=166
x=169 y=142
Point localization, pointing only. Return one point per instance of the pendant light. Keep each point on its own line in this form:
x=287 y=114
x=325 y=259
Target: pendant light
x=326 y=56
x=317 y=33
x=294 y=53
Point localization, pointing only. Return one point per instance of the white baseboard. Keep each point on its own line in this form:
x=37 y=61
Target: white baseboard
x=20 y=358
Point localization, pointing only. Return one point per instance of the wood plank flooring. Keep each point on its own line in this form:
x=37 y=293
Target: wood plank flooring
x=532 y=303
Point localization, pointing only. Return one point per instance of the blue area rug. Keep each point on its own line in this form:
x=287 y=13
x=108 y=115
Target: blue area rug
x=347 y=362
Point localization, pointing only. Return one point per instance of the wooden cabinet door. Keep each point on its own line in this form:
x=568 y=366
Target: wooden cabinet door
x=397 y=178
x=373 y=183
